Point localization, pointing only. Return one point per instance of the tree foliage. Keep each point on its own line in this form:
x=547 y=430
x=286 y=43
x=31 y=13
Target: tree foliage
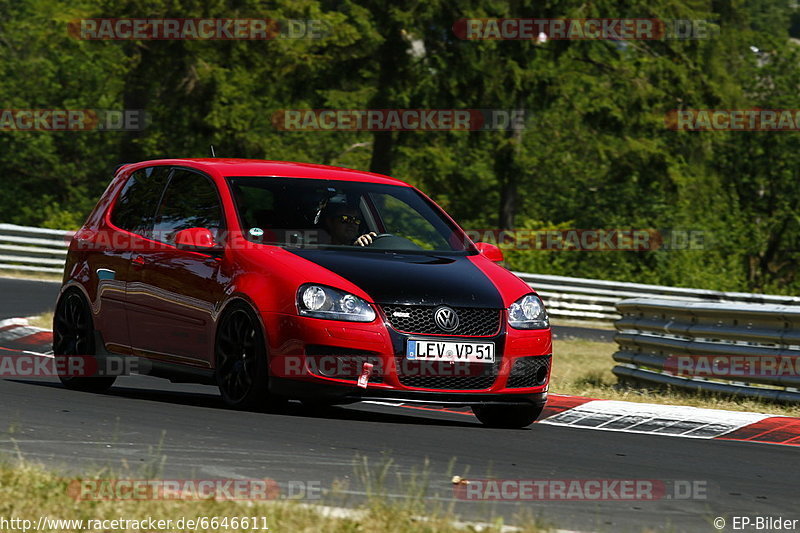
x=595 y=152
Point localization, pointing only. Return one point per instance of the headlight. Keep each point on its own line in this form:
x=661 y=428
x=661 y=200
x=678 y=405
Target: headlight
x=319 y=301
x=528 y=313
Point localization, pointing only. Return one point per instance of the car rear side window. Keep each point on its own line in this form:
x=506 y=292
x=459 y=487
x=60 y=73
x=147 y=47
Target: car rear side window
x=136 y=205
x=190 y=201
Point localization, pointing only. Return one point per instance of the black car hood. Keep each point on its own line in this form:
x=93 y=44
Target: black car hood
x=422 y=279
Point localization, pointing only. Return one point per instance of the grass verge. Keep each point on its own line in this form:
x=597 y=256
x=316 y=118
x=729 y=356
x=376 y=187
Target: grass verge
x=27 y=274
x=583 y=368
x=44 y=321
x=29 y=492
x=594 y=324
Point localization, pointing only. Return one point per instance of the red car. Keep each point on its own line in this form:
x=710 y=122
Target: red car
x=279 y=281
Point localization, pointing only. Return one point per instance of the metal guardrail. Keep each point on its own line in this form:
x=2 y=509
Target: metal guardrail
x=33 y=249
x=583 y=298
x=753 y=350
x=44 y=250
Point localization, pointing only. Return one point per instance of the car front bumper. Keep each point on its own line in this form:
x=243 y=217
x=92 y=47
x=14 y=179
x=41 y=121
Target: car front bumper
x=297 y=345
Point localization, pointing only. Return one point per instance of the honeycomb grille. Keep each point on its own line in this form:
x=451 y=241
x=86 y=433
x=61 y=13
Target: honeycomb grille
x=472 y=322
x=529 y=372
x=457 y=376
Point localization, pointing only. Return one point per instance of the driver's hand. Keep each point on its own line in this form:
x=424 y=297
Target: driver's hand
x=366 y=239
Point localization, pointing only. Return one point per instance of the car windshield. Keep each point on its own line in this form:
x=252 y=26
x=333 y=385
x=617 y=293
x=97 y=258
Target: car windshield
x=314 y=213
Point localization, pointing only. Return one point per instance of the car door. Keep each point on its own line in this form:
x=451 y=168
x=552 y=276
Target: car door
x=130 y=219
x=173 y=294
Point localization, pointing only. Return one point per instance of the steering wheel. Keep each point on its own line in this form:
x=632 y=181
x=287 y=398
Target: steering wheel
x=376 y=237
x=390 y=241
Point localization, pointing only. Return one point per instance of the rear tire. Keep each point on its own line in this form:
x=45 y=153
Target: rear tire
x=510 y=417
x=241 y=357
x=73 y=336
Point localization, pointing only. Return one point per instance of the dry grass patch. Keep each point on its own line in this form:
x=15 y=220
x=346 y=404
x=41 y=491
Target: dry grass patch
x=44 y=321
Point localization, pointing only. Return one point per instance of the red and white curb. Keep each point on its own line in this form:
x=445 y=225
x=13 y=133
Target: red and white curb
x=16 y=335
x=670 y=420
x=665 y=420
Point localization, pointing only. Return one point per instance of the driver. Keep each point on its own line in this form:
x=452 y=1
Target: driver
x=342 y=222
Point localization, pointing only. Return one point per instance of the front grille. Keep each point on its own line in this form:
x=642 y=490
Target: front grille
x=529 y=372
x=343 y=363
x=472 y=322
x=441 y=375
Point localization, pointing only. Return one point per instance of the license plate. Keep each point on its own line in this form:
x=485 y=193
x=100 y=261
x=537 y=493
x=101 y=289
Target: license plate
x=468 y=352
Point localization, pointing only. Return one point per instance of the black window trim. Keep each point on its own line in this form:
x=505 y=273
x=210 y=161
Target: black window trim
x=115 y=205
x=223 y=222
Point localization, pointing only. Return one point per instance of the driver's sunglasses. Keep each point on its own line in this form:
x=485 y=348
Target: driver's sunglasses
x=349 y=219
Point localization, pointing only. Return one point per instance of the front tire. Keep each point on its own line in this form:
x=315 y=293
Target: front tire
x=510 y=417
x=73 y=337
x=241 y=358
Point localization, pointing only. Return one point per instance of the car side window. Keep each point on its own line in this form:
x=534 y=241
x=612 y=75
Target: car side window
x=136 y=206
x=190 y=201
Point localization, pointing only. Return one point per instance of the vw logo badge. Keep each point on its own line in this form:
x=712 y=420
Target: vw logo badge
x=446 y=318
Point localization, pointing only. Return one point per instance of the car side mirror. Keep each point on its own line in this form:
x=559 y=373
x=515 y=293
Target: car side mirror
x=199 y=240
x=491 y=251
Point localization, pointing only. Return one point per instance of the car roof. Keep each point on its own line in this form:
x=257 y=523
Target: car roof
x=267 y=169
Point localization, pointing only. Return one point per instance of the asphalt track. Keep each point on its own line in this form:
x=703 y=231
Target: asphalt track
x=21 y=297
x=143 y=420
